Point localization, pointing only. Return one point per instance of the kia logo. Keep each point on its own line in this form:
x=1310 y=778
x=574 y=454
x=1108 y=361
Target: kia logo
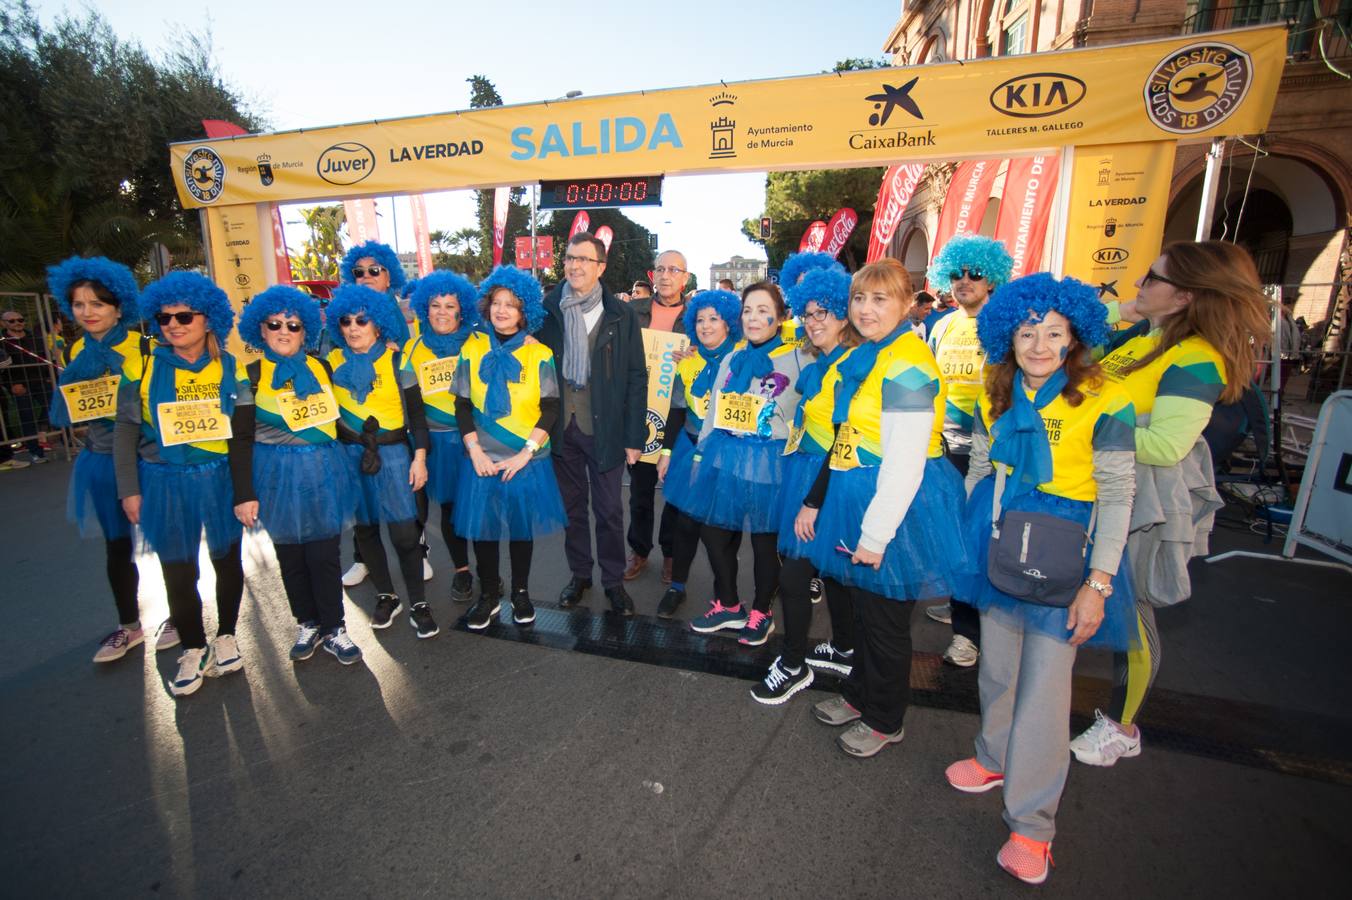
x=346 y=163
x=1037 y=94
x=1110 y=255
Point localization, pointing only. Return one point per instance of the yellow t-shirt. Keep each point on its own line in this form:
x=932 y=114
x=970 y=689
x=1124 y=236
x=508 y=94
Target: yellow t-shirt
x=385 y=401
x=203 y=385
x=962 y=365
x=268 y=410
x=904 y=378
x=506 y=435
x=436 y=383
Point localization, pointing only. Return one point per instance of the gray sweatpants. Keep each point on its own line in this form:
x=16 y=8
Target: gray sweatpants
x=1025 y=713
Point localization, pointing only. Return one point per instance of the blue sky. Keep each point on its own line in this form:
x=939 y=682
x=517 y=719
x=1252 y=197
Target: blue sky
x=310 y=64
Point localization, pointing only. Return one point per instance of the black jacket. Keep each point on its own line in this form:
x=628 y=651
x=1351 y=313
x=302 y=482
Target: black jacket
x=619 y=377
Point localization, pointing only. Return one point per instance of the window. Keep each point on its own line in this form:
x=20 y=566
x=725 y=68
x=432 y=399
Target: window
x=1015 y=37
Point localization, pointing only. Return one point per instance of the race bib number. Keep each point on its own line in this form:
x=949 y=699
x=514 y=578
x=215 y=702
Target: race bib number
x=92 y=399
x=739 y=412
x=795 y=438
x=191 y=421
x=435 y=375
x=700 y=407
x=961 y=365
x=845 y=451
x=315 y=410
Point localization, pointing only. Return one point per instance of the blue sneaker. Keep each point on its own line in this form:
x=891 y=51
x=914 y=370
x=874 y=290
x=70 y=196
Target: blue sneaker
x=719 y=617
x=757 y=630
x=307 y=641
x=342 y=648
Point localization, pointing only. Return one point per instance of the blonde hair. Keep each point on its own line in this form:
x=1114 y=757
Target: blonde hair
x=890 y=277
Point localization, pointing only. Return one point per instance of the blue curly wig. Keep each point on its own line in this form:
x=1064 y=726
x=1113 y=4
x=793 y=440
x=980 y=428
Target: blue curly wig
x=525 y=288
x=727 y=304
x=830 y=288
x=116 y=277
x=409 y=287
x=1032 y=297
x=352 y=299
x=799 y=264
x=973 y=253
x=382 y=254
x=197 y=292
x=280 y=300
x=439 y=284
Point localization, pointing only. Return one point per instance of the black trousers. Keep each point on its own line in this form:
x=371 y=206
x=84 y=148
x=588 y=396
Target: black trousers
x=185 y=604
x=722 y=546
x=642 y=500
x=407 y=549
x=684 y=546
x=312 y=575
x=590 y=493
x=795 y=577
x=124 y=578
x=457 y=546
x=879 y=685
x=966 y=620
x=486 y=556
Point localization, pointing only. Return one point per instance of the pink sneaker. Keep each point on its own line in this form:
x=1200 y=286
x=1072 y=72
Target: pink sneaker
x=1028 y=860
x=719 y=617
x=971 y=777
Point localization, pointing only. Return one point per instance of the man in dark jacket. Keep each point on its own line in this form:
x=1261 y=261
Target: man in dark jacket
x=603 y=383
x=664 y=312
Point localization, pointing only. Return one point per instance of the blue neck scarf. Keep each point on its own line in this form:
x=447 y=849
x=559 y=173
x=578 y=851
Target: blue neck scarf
x=96 y=359
x=293 y=368
x=497 y=368
x=712 y=360
x=752 y=361
x=163 y=384
x=854 y=370
x=1019 y=437
x=358 y=372
x=444 y=345
x=810 y=381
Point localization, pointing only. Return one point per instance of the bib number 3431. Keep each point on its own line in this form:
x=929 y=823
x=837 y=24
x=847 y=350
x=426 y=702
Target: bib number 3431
x=739 y=412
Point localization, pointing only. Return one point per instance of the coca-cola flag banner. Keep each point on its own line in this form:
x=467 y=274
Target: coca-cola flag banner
x=1025 y=210
x=899 y=183
x=500 y=198
x=839 y=229
x=813 y=237
x=605 y=235
x=966 y=200
x=581 y=222
x=422 y=235
x=361 y=220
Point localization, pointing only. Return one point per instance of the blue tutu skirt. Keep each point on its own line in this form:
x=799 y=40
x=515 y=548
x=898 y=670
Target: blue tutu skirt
x=306 y=492
x=800 y=471
x=1118 y=630
x=676 y=487
x=386 y=495
x=490 y=509
x=92 y=503
x=445 y=458
x=926 y=558
x=738 y=483
x=178 y=502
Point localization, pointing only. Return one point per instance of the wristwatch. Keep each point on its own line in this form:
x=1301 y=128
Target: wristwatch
x=1105 y=589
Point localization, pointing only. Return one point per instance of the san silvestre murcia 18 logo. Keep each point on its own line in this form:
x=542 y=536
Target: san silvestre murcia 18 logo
x=1198 y=87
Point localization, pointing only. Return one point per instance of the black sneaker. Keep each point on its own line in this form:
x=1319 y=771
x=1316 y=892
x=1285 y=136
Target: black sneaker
x=387 y=607
x=781 y=684
x=816 y=590
x=523 y=611
x=670 y=602
x=420 y=618
x=620 y=602
x=483 y=613
x=462 y=587
x=826 y=656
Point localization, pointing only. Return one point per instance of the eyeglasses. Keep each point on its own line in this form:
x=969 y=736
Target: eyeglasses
x=13 y=320
x=1152 y=275
x=669 y=270
x=817 y=315
x=570 y=258
x=971 y=274
x=345 y=321
x=275 y=325
x=372 y=271
x=182 y=318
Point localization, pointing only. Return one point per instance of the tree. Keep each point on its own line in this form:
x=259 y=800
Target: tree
x=631 y=254
x=460 y=251
x=323 y=248
x=482 y=95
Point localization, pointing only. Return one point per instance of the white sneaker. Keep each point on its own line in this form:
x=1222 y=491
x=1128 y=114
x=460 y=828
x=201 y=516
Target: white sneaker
x=961 y=652
x=427 y=570
x=1104 y=743
x=193 y=665
x=167 y=636
x=227 y=656
x=355 y=575
x=940 y=612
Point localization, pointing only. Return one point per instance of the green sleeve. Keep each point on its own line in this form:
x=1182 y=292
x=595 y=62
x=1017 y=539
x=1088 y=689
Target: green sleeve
x=1175 y=425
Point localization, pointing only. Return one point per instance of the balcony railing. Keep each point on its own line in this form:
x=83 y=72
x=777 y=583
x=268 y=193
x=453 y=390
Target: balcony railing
x=1310 y=28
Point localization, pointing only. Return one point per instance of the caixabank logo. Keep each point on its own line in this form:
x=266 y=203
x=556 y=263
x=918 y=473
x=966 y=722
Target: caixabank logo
x=204 y=174
x=1198 y=87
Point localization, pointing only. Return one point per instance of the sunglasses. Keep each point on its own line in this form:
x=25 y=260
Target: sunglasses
x=1152 y=275
x=345 y=321
x=372 y=271
x=972 y=275
x=275 y=325
x=182 y=318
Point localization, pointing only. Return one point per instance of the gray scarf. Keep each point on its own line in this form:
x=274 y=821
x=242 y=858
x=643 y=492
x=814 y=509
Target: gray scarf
x=576 y=355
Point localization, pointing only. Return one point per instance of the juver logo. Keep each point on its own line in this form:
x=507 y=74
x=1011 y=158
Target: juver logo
x=346 y=163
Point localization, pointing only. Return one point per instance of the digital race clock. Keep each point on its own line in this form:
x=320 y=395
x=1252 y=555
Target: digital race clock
x=590 y=193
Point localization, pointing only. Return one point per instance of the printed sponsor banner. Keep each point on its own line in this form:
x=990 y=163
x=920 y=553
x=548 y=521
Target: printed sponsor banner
x=899 y=183
x=658 y=346
x=501 y=197
x=581 y=222
x=422 y=234
x=605 y=235
x=361 y=220
x=280 y=256
x=1192 y=87
x=813 y=237
x=1119 y=195
x=965 y=203
x=839 y=229
x=239 y=262
x=1026 y=208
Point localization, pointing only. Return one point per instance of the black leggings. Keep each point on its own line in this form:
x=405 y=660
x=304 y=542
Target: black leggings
x=404 y=536
x=684 y=546
x=185 y=604
x=795 y=579
x=124 y=578
x=486 y=555
x=455 y=544
x=312 y=576
x=722 y=546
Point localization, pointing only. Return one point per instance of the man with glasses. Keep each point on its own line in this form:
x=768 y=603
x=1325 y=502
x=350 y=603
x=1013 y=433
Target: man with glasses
x=664 y=312
x=970 y=267
x=598 y=351
x=27 y=381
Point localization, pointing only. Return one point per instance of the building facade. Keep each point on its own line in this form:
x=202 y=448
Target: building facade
x=740 y=270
